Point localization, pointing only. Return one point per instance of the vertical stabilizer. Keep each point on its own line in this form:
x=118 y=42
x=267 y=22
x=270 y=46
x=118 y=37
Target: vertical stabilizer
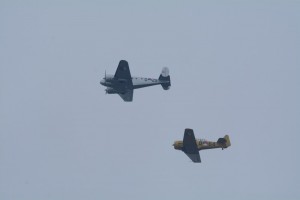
x=165 y=78
x=226 y=137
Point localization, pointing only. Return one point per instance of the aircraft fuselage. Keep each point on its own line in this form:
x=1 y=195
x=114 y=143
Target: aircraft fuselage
x=137 y=82
x=201 y=145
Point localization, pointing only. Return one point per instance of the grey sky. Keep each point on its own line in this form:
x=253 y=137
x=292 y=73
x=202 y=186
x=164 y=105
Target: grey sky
x=234 y=69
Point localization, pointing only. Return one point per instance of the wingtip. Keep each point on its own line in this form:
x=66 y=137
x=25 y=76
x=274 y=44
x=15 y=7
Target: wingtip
x=188 y=130
x=123 y=61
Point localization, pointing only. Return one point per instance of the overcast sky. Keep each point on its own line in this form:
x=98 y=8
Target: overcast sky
x=235 y=69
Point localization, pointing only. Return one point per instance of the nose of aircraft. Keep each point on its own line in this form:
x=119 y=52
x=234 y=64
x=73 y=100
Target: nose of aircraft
x=174 y=145
x=102 y=82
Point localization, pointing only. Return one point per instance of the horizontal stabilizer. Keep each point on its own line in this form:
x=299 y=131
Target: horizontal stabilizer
x=225 y=141
x=221 y=141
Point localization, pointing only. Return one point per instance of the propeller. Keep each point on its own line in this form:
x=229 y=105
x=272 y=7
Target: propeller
x=105 y=80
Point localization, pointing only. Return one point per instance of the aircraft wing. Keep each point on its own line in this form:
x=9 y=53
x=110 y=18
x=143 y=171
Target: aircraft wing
x=194 y=157
x=128 y=96
x=123 y=71
x=190 y=146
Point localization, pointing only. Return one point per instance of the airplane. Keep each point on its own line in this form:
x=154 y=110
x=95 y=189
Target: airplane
x=191 y=146
x=123 y=83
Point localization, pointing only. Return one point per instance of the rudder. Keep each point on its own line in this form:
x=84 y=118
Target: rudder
x=228 y=143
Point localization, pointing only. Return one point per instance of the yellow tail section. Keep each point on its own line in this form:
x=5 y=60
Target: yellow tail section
x=226 y=137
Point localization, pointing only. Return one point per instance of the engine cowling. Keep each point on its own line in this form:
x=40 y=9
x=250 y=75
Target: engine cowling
x=110 y=91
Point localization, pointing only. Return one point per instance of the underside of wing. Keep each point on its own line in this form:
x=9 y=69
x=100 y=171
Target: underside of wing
x=123 y=71
x=190 y=146
x=194 y=157
x=127 y=96
x=189 y=142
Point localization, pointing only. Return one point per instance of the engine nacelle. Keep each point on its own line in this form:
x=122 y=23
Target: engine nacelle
x=110 y=91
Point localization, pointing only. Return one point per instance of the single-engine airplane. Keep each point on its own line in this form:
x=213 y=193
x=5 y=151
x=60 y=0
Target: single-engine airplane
x=191 y=146
x=123 y=83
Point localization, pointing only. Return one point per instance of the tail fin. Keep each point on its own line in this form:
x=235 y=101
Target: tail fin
x=226 y=137
x=165 y=78
x=225 y=141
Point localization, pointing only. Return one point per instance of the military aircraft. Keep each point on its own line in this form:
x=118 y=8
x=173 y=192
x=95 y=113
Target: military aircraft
x=123 y=83
x=191 y=146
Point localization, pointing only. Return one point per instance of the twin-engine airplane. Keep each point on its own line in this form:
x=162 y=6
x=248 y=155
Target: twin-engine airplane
x=191 y=147
x=123 y=84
